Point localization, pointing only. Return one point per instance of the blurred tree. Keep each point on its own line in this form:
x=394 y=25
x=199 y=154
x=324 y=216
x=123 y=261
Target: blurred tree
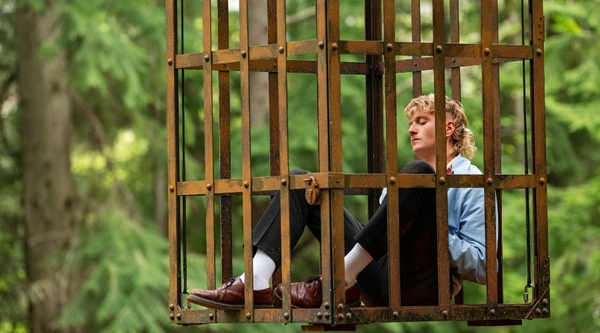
x=49 y=199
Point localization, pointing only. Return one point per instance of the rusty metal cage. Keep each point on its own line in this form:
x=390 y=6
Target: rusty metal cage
x=382 y=56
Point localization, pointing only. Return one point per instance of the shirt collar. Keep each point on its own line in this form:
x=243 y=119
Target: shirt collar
x=449 y=165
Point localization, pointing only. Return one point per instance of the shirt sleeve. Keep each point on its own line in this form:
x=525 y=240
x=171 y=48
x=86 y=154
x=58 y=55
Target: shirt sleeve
x=467 y=236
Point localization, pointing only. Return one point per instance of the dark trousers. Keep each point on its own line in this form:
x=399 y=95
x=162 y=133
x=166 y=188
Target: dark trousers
x=418 y=239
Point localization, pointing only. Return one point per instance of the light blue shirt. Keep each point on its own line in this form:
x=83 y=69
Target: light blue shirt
x=466 y=226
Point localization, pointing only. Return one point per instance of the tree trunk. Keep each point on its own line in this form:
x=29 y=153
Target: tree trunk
x=259 y=81
x=49 y=196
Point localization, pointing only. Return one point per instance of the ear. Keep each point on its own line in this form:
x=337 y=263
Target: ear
x=450 y=126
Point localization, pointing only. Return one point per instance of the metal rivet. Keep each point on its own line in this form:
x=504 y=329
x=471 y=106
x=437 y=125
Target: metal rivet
x=321 y=45
x=284 y=182
x=326 y=305
x=445 y=313
x=334 y=46
x=442 y=180
x=395 y=314
x=348 y=316
x=538 y=311
x=439 y=48
x=545 y=301
x=171 y=188
x=392 y=180
x=340 y=306
x=248 y=315
x=243 y=54
x=341 y=316
x=286 y=315
x=206 y=58
x=172 y=316
x=179 y=316
x=415 y=64
x=487 y=51
x=545 y=310
x=172 y=307
x=538 y=52
x=208 y=187
x=170 y=61
x=319 y=315
x=489 y=181
x=326 y=315
x=542 y=181
x=389 y=47
x=246 y=184
x=492 y=312
x=211 y=316
x=281 y=49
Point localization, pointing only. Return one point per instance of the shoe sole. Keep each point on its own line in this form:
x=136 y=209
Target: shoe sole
x=352 y=305
x=222 y=306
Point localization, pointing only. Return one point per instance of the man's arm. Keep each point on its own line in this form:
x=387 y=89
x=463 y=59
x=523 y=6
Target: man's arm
x=467 y=233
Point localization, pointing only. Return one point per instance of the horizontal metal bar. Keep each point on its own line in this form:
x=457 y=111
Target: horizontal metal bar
x=363 y=314
x=355 y=181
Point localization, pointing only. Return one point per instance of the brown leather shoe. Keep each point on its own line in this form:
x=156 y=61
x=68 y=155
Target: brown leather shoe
x=309 y=294
x=230 y=296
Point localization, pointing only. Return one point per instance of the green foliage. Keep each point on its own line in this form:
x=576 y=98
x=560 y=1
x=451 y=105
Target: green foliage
x=127 y=270
x=13 y=304
x=115 y=53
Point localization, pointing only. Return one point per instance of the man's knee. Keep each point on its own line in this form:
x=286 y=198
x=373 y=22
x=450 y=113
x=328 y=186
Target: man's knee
x=298 y=172
x=416 y=167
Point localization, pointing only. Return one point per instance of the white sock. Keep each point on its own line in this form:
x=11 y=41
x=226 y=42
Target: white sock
x=264 y=267
x=354 y=262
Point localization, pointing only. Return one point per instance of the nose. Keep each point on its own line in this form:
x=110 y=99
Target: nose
x=411 y=129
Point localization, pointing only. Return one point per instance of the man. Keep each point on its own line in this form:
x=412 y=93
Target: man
x=366 y=246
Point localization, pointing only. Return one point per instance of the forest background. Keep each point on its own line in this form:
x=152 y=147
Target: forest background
x=83 y=159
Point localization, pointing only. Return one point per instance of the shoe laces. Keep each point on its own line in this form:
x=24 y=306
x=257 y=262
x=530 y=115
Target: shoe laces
x=312 y=281
x=229 y=283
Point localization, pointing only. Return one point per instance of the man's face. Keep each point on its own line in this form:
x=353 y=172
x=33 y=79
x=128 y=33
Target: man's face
x=421 y=127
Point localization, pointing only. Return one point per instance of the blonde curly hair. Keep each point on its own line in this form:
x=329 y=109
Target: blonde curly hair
x=464 y=141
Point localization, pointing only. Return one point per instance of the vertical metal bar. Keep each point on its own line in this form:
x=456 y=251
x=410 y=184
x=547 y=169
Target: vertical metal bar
x=393 y=225
x=489 y=36
x=172 y=138
x=415 y=15
x=208 y=145
x=455 y=81
x=274 y=140
x=439 y=76
x=323 y=74
x=539 y=151
x=494 y=211
x=286 y=274
x=335 y=157
x=272 y=28
x=246 y=160
x=182 y=160
x=374 y=99
x=225 y=143
x=455 y=38
x=526 y=145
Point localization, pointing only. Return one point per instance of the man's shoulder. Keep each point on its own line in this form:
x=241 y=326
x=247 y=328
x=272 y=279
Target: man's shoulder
x=462 y=165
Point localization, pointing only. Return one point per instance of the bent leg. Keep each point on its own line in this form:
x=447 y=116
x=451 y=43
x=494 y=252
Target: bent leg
x=418 y=246
x=266 y=235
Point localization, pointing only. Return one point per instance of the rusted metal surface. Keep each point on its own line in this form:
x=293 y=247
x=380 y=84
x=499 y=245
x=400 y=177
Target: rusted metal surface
x=384 y=56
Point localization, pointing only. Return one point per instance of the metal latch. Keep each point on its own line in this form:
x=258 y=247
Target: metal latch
x=312 y=192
